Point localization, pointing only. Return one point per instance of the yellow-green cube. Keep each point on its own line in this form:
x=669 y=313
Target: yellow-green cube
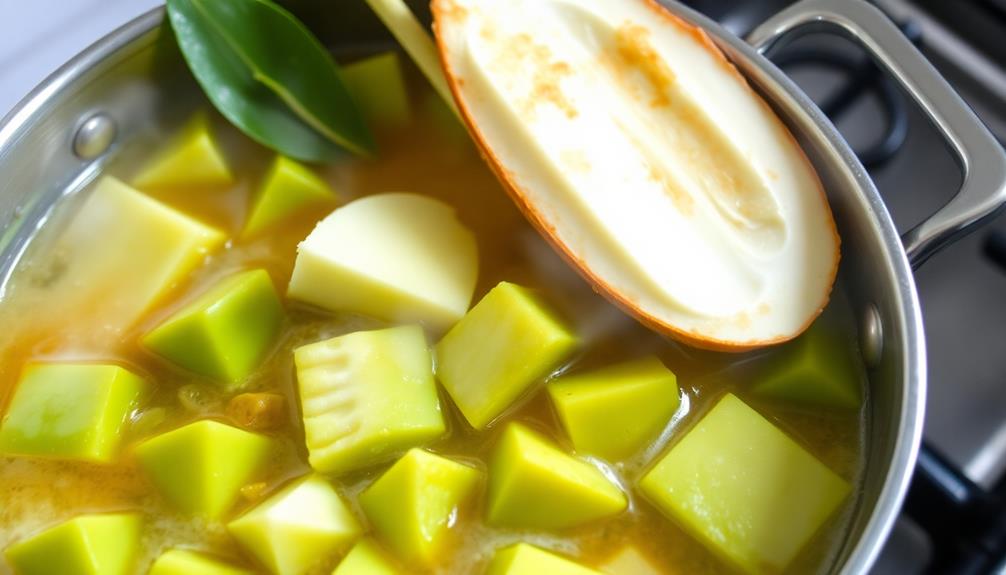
x=102 y=544
x=615 y=411
x=201 y=467
x=296 y=528
x=377 y=85
x=525 y=559
x=629 y=561
x=226 y=332
x=411 y=505
x=817 y=369
x=288 y=189
x=504 y=345
x=191 y=159
x=70 y=411
x=366 y=397
x=533 y=484
x=185 y=562
x=744 y=489
x=366 y=558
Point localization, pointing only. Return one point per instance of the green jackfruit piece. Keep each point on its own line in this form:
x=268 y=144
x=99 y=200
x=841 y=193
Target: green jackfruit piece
x=184 y=562
x=410 y=506
x=366 y=558
x=296 y=528
x=505 y=344
x=524 y=559
x=289 y=188
x=533 y=484
x=202 y=466
x=629 y=561
x=121 y=253
x=819 y=369
x=72 y=411
x=192 y=159
x=366 y=397
x=86 y=545
x=403 y=258
x=226 y=332
x=377 y=85
x=615 y=411
x=744 y=488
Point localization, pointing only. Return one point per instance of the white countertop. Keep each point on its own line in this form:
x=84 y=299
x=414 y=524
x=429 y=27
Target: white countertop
x=39 y=36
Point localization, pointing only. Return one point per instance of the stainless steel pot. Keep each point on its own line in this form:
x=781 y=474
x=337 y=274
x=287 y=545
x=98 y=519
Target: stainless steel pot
x=133 y=83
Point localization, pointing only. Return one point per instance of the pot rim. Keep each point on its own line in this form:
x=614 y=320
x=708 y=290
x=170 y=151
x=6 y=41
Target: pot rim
x=906 y=315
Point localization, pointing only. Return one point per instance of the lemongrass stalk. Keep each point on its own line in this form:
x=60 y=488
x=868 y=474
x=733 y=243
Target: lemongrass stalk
x=417 y=43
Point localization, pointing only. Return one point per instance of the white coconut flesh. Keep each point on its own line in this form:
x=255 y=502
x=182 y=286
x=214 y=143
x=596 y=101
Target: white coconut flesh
x=645 y=156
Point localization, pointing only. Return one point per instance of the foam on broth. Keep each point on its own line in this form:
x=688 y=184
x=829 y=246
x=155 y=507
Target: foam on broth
x=430 y=156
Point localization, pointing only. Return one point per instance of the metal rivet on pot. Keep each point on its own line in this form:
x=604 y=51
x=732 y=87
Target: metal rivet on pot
x=94 y=136
x=871 y=336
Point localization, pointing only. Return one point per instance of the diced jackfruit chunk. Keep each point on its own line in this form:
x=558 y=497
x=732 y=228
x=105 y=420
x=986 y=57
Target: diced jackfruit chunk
x=377 y=85
x=410 y=506
x=192 y=159
x=508 y=342
x=86 y=545
x=399 y=257
x=296 y=528
x=289 y=188
x=120 y=254
x=524 y=559
x=534 y=484
x=629 y=561
x=366 y=397
x=366 y=558
x=72 y=411
x=201 y=467
x=225 y=332
x=184 y=562
x=615 y=411
x=744 y=488
x=817 y=369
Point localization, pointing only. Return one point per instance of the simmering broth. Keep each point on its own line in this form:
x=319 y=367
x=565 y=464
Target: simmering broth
x=429 y=155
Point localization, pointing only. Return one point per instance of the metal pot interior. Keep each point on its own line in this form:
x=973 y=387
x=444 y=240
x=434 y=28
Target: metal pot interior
x=136 y=76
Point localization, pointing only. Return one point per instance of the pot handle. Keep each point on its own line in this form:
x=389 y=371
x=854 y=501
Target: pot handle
x=980 y=157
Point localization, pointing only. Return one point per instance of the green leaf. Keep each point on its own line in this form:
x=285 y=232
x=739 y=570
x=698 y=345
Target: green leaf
x=269 y=76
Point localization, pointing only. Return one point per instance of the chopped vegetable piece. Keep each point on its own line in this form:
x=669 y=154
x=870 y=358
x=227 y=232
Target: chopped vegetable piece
x=86 y=545
x=411 y=505
x=524 y=559
x=183 y=562
x=289 y=188
x=399 y=257
x=366 y=397
x=226 y=331
x=817 y=369
x=193 y=159
x=508 y=342
x=744 y=488
x=377 y=85
x=533 y=484
x=299 y=526
x=257 y=411
x=72 y=411
x=629 y=561
x=366 y=558
x=121 y=253
x=615 y=411
x=202 y=466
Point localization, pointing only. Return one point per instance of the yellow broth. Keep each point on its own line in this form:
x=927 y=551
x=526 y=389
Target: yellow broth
x=431 y=155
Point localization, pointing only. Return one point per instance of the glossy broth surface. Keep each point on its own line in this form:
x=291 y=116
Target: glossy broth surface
x=431 y=155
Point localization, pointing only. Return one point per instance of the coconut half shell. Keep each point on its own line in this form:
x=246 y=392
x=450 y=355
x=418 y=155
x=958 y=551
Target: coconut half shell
x=647 y=160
